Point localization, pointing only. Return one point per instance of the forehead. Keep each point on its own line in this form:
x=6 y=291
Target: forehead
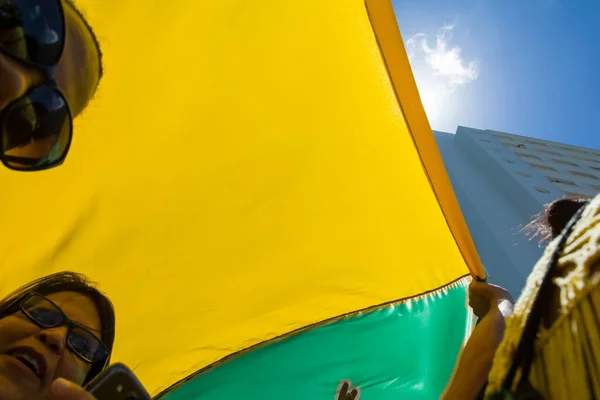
x=78 y=70
x=77 y=307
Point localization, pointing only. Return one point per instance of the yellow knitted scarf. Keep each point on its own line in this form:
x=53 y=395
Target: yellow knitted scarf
x=567 y=356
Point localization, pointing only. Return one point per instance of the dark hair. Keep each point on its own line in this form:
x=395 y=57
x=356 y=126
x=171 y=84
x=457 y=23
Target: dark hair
x=549 y=224
x=94 y=38
x=68 y=282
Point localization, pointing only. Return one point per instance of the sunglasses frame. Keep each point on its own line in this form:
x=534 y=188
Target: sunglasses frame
x=66 y=322
x=49 y=81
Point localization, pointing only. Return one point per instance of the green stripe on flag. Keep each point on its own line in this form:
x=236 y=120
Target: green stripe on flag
x=403 y=351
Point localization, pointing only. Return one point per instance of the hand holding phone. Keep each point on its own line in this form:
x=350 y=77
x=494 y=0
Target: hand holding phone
x=117 y=382
x=62 y=389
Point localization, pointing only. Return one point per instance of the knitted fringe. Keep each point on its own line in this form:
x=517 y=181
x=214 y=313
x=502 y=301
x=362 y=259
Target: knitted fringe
x=567 y=358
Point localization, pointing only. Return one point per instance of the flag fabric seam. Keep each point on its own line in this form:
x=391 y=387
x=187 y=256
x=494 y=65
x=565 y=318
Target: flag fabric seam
x=458 y=281
x=383 y=21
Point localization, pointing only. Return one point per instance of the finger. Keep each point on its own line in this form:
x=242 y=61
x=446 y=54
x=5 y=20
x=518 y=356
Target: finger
x=475 y=301
x=479 y=288
x=353 y=394
x=480 y=312
x=478 y=303
x=482 y=292
x=342 y=391
x=62 y=389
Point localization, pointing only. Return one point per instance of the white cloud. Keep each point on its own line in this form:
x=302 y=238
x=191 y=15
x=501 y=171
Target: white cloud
x=440 y=71
x=443 y=60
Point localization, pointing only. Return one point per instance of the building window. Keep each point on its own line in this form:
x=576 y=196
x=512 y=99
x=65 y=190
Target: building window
x=516 y=146
x=542 y=167
x=528 y=156
x=573 y=194
x=562 y=162
x=578 y=151
x=502 y=137
x=536 y=143
x=554 y=153
x=541 y=190
x=572 y=149
x=587 y=159
x=561 y=181
x=525 y=174
x=562 y=148
x=584 y=175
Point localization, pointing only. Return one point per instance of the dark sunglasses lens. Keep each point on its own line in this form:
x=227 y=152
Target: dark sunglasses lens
x=86 y=345
x=43 y=312
x=36 y=130
x=32 y=30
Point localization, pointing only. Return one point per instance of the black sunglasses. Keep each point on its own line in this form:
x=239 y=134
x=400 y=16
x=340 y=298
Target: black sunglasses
x=80 y=340
x=36 y=128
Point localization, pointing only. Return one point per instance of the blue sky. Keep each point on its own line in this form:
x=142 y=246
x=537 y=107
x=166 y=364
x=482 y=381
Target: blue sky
x=528 y=67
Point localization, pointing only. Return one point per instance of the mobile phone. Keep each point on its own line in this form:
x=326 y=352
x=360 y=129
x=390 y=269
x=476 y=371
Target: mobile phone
x=117 y=382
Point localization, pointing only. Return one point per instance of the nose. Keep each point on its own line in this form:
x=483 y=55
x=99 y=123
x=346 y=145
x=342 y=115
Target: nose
x=15 y=80
x=54 y=339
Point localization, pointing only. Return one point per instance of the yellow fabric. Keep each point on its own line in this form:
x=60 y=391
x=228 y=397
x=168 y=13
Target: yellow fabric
x=244 y=171
x=568 y=357
x=386 y=30
x=567 y=360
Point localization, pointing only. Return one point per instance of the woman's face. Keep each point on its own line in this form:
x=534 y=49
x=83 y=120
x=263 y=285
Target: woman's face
x=77 y=72
x=17 y=331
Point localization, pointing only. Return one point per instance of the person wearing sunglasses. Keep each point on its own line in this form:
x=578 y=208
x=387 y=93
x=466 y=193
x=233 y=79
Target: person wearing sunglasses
x=56 y=334
x=50 y=66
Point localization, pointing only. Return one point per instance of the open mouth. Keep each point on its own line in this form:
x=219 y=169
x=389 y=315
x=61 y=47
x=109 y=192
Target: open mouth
x=29 y=362
x=31 y=359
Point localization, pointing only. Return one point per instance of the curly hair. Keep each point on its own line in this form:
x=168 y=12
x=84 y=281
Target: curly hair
x=549 y=223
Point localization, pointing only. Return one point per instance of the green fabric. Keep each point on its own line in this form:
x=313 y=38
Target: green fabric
x=406 y=351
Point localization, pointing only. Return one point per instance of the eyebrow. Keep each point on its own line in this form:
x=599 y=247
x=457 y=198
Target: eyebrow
x=87 y=328
x=95 y=332
x=79 y=324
